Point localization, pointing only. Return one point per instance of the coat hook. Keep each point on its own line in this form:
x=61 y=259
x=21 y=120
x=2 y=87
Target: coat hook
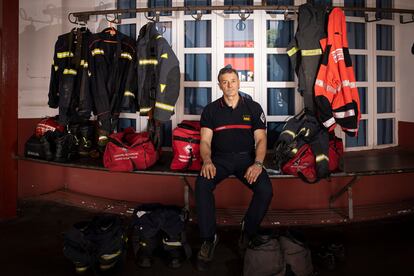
x=155 y=18
x=116 y=20
x=243 y=16
x=406 y=22
x=73 y=21
x=197 y=16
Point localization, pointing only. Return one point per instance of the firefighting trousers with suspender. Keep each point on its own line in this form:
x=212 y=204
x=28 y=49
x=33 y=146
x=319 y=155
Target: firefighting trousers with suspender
x=305 y=51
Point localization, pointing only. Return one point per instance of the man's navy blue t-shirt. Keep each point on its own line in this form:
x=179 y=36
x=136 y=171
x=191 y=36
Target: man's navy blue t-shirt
x=233 y=128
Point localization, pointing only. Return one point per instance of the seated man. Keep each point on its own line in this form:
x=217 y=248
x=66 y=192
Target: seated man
x=233 y=142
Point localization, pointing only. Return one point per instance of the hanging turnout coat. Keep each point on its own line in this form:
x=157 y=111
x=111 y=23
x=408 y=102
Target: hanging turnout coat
x=336 y=94
x=158 y=74
x=68 y=75
x=112 y=57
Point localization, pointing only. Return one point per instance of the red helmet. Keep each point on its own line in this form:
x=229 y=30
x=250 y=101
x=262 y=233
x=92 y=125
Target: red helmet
x=48 y=124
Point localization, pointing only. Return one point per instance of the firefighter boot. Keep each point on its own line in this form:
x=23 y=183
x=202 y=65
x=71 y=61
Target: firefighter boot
x=66 y=148
x=102 y=140
x=86 y=138
x=47 y=145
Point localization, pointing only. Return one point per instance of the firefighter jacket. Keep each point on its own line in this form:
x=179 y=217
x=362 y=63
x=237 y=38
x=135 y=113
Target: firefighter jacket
x=305 y=51
x=67 y=89
x=158 y=74
x=336 y=94
x=112 y=57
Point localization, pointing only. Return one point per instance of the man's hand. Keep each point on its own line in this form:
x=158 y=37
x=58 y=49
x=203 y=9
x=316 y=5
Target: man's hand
x=252 y=173
x=208 y=170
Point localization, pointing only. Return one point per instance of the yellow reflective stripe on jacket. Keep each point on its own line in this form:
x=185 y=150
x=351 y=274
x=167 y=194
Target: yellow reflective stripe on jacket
x=64 y=54
x=312 y=52
x=321 y=157
x=158 y=36
x=84 y=63
x=107 y=257
x=126 y=55
x=56 y=67
x=129 y=94
x=145 y=109
x=165 y=55
x=287 y=131
x=162 y=87
x=97 y=51
x=292 y=51
x=69 y=72
x=171 y=243
x=151 y=61
x=294 y=150
x=164 y=106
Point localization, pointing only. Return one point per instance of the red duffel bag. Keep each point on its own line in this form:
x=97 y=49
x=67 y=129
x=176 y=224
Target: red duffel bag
x=303 y=163
x=186 y=146
x=128 y=150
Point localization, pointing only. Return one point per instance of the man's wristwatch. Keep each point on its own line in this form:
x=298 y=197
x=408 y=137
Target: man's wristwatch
x=258 y=163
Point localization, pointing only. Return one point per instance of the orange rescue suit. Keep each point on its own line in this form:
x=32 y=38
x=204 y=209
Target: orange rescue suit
x=336 y=94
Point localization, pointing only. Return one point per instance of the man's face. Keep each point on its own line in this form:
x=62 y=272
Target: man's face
x=229 y=84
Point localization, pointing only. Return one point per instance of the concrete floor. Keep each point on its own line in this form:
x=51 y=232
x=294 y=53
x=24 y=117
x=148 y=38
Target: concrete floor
x=31 y=244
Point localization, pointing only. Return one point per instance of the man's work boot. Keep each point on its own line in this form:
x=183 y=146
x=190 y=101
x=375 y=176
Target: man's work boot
x=206 y=254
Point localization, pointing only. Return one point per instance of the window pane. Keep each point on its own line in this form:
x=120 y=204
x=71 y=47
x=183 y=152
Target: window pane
x=196 y=99
x=360 y=67
x=361 y=139
x=384 y=4
x=273 y=131
x=129 y=30
x=197 y=33
x=237 y=3
x=356 y=35
x=279 y=68
x=385 y=134
x=385 y=68
x=385 y=100
x=279 y=33
x=362 y=91
x=124 y=123
x=243 y=63
x=166 y=134
x=385 y=37
x=280 y=101
x=160 y=4
x=238 y=33
x=198 y=67
x=278 y=3
x=354 y=3
x=189 y=3
x=127 y=4
x=164 y=28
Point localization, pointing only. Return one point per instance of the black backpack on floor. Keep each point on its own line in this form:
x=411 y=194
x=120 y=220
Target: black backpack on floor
x=264 y=257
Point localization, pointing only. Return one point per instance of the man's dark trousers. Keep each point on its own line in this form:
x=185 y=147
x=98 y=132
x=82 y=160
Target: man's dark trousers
x=232 y=164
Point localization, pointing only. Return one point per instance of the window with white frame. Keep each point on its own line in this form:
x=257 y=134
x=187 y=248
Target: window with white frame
x=256 y=48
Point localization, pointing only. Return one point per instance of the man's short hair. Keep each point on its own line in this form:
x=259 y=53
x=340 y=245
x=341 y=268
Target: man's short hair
x=227 y=70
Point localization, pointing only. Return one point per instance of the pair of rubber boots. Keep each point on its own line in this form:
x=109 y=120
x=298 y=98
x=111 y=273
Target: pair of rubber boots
x=76 y=142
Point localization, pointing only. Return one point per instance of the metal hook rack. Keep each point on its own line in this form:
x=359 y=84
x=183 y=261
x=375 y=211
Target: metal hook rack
x=198 y=11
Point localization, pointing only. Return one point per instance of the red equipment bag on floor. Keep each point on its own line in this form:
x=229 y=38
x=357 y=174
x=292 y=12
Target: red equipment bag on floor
x=128 y=150
x=186 y=146
x=303 y=163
